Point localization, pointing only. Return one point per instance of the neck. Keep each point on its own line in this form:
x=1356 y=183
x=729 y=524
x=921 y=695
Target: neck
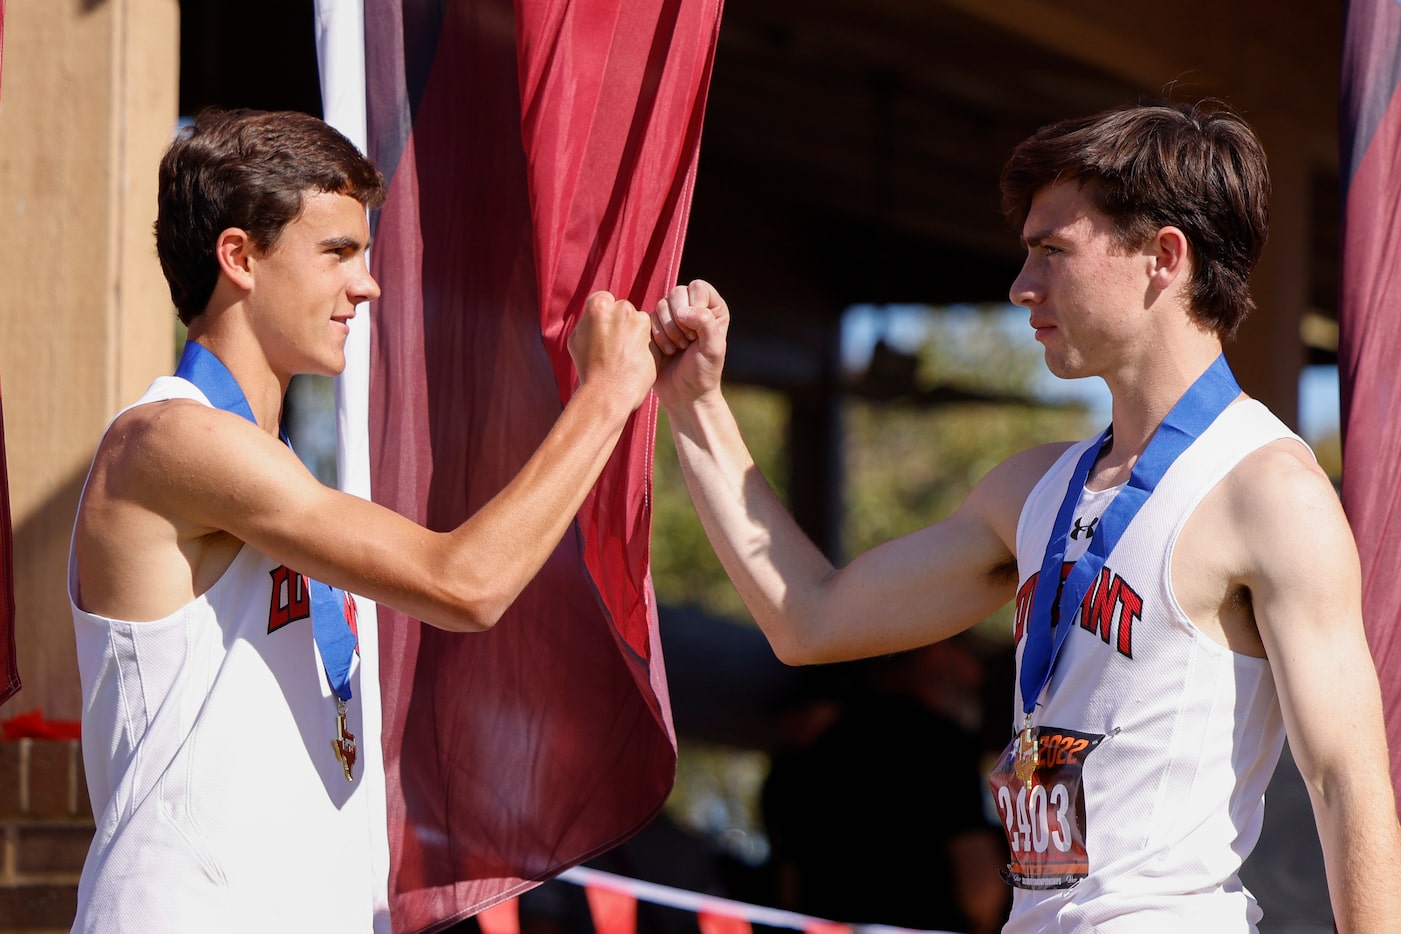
x=262 y=386
x=1142 y=398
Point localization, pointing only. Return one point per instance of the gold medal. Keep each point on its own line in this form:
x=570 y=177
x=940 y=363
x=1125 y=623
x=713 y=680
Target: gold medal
x=1025 y=766
x=344 y=743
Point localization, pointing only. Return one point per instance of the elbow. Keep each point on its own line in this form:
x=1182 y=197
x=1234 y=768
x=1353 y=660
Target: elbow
x=467 y=612
x=458 y=620
x=797 y=660
x=460 y=600
x=787 y=654
x=470 y=621
x=797 y=645
x=795 y=652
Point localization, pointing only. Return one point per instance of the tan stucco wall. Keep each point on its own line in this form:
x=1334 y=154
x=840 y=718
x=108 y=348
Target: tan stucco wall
x=88 y=99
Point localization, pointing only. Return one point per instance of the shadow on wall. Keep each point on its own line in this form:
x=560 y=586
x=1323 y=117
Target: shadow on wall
x=48 y=661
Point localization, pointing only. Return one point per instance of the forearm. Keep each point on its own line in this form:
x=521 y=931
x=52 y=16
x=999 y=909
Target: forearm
x=776 y=569
x=1362 y=850
x=1333 y=708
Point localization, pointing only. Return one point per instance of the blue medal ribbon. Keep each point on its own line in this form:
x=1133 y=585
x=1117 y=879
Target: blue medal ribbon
x=1207 y=398
x=329 y=626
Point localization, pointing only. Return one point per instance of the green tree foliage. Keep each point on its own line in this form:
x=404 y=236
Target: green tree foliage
x=1329 y=451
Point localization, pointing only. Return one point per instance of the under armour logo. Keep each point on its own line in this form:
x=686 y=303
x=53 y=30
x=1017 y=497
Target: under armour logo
x=1086 y=529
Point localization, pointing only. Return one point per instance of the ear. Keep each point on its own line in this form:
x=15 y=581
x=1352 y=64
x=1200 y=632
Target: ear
x=1170 y=257
x=234 y=251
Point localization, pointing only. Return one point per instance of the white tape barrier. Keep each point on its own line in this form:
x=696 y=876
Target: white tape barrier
x=713 y=904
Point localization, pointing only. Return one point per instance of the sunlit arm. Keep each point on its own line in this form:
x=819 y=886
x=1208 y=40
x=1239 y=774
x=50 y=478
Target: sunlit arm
x=1306 y=592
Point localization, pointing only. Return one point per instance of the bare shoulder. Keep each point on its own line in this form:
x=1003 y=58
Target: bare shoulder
x=1277 y=523
x=158 y=506
x=999 y=497
x=1279 y=487
x=142 y=435
x=1016 y=475
x=1266 y=544
x=164 y=456
x=140 y=447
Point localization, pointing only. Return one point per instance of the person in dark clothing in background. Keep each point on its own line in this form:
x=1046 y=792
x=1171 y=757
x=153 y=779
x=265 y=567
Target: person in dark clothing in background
x=881 y=817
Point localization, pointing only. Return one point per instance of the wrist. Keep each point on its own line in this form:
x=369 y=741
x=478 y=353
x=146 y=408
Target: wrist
x=611 y=401
x=698 y=415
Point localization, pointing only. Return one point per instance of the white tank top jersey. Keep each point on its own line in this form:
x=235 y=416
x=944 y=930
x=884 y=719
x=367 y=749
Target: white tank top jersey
x=1182 y=734
x=220 y=806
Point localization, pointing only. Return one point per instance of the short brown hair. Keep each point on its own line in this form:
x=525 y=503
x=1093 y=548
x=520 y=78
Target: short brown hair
x=248 y=169
x=1196 y=167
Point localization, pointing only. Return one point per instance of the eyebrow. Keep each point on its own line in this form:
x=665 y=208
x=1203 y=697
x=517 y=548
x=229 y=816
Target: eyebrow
x=341 y=243
x=1038 y=238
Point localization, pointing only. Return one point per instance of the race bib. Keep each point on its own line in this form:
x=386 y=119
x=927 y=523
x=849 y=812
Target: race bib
x=1043 y=809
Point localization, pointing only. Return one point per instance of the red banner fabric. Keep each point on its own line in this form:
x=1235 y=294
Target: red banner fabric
x=501 y=918
x=828 y=927
x=9 y=661
x=714 y=922
x=611 y=911
x=1370 y=328
x=535 y=154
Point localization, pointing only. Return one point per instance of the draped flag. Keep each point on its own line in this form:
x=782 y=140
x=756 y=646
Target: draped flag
x=1370 y=327
x=9 y=663
x=534 y=154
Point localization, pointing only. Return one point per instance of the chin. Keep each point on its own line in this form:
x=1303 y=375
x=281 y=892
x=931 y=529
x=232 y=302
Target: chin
x=1055 y=364
x=334 y=362
x=334 y=366
x=1062 y=370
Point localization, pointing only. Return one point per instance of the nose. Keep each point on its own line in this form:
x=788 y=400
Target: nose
x=364 y=288
x=1024 y=290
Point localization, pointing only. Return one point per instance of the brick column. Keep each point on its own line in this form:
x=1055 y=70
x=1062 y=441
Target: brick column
x=46 y=825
